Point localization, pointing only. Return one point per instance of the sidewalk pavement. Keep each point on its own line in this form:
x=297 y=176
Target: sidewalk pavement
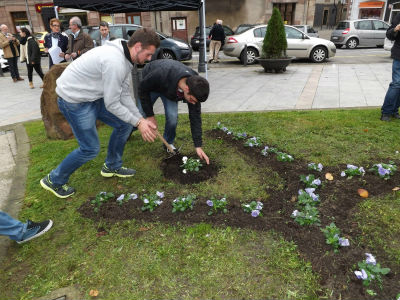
x=233 y=89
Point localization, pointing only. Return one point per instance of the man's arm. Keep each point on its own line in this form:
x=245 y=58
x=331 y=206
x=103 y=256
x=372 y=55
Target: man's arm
x=88 y=44
x=195 y=123
x=394 y=28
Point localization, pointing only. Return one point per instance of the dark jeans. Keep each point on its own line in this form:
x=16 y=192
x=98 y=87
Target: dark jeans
x=37 y=68
x=392 y=99
x=13 y=66
x=82 y=118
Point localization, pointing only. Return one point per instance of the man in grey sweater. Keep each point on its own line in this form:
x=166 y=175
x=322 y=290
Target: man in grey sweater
x=96 y=86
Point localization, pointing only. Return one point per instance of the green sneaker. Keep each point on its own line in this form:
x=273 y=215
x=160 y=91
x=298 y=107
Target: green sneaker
x=121 y=172
x=63 y=191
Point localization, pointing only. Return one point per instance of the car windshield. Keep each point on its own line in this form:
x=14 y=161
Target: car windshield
x=38 y=36
x=342 y=25
x=299 y=27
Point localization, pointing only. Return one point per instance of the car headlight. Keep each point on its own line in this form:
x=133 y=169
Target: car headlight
x=181 y=45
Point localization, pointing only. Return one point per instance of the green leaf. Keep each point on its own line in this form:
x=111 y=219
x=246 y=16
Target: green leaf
x=385 y=271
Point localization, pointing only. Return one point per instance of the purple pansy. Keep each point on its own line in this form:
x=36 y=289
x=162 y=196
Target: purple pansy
x=210 y=203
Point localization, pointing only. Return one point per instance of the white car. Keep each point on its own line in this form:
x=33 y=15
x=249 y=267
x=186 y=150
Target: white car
x=300 y=45
x=3 y=61
x=388 y=44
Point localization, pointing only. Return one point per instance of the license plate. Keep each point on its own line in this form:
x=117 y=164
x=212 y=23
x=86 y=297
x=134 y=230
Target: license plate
x=335 y=38
x=196 y=42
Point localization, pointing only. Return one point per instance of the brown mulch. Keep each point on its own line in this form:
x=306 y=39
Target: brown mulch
x=339 y=202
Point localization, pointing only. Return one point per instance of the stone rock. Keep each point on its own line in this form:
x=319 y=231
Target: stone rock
x=54 y=121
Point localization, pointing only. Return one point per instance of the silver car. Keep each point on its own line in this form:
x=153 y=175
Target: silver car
x=307 y=29
x=363 y=32
x=300 y=45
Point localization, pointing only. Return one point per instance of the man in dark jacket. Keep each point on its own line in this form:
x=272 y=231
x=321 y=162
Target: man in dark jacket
x=390 y=107
x=172 y=81
x=79 y=42
x=217 y=36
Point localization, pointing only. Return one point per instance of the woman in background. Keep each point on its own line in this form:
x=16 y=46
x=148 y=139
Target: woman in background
x=54 y=39
x=32 y=55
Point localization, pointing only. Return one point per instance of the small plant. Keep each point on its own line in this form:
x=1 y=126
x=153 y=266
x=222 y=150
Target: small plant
x=353 y=171
x=125 y=198
x=308 y=197
x=310 y=181
x=217 y=205
x=332 y=237
x=307 y=216
x=253 y=142
x=281 y=156
x=265 y=151
x=151 y=201
x=183 y=203
x=384 y=170
x=220 y=126
x=254 y=208
x=315 y=167
x=101 y=198
x=370 y=270
x=190 y=164
x=239 y=135
x=275 y=43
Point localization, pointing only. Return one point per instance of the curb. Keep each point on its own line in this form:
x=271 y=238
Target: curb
x=17 y=192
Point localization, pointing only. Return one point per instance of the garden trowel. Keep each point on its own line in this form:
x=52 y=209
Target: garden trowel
x=172 y=151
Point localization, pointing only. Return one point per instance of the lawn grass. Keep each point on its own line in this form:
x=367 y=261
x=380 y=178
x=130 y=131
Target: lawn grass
x=152 y=260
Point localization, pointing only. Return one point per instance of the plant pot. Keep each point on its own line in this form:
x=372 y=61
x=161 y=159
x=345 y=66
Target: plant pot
x=276 y=64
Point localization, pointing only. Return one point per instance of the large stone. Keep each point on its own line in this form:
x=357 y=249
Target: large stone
x=54 y=121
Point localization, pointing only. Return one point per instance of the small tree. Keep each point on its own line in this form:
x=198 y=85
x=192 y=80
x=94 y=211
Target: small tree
x=275 y=44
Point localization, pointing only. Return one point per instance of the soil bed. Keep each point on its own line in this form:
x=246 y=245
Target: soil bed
x=339 y=200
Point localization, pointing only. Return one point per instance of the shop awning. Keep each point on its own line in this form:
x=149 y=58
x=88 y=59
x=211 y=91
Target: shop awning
x=371 y=4
x=124 y=6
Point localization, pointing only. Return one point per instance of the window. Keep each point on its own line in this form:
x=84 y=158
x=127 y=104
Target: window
x=292 y=33
x=260 y=32
x=116 y=31
x=130 y=30
x=133 y=18
x=311 y=30
x=343 y=25
x=379 y=25
x=363 y=25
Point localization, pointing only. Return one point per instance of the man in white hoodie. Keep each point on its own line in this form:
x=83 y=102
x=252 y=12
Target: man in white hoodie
x=96 y=86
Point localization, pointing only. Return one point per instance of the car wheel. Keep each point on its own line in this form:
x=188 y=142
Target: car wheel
x=352 y=43
x=318 y=54
x=338 y=46
x=168 y=55
x=251 y=56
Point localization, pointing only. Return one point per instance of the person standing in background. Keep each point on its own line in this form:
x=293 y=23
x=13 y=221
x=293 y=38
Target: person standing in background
x=217 y=36
x=78 y=42
x=54 y=39
x=105 y=34
x=10 y=44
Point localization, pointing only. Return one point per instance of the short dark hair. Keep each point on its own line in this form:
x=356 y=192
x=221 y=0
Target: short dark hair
x=198 y=87
x=26 y=31
x=104 y=24
x=146 y=36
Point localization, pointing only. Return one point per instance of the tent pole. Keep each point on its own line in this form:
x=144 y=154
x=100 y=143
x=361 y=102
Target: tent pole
x=203 y=45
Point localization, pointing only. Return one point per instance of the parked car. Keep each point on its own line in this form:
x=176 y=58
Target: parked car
x=171 y=48
x=39 y=36
x=388 y=44
x=195 y=40
x=3 y=61
x=243 y=27
x=300 y=45
x=307 y=29
x=362 y=32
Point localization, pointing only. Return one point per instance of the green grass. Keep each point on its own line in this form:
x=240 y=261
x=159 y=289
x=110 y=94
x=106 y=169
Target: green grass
x=152 y=260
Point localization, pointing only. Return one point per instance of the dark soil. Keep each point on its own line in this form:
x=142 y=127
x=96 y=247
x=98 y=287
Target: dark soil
x=339 y=202
x=172 y=170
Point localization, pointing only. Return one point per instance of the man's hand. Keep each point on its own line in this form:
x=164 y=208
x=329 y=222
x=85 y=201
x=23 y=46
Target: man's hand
x=74 y=54
x=62 y=54
x=67 y=56
x=397 y=28
x=202 y=155
x=152 y=120
x=46 y=50
x=147 y=130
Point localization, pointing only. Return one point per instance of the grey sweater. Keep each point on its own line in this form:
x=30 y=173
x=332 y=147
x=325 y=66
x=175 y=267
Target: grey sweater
x=102 y=72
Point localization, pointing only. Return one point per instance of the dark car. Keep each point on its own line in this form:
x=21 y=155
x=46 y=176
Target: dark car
x=195 y=41
x=243 y=27
x=170 y=47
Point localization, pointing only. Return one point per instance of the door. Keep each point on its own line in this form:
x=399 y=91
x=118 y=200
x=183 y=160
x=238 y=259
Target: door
x=297 y=46
x=380 y=31
x=325 y=17
x=365 y=32
x=179 y=28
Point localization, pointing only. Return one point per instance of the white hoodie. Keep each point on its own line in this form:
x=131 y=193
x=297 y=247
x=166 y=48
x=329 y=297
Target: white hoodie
x=102 y=72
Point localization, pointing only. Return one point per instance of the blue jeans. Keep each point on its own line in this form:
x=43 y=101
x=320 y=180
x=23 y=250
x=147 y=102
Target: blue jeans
x=392 y=99
x=171 y=115
x=11 y=227
x=82 y=118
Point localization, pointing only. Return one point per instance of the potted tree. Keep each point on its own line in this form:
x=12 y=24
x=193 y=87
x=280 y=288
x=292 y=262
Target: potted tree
x=273 y=54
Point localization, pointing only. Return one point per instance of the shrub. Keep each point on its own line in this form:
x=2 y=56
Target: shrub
x=274 y=44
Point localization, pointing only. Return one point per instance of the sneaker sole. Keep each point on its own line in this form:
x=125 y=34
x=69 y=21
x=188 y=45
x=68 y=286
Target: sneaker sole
x=39 y=234
x=46 y=187
x=109 y=175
